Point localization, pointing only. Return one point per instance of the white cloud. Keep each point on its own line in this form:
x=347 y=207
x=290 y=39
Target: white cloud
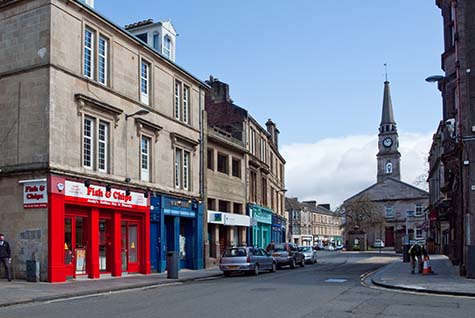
x=331 y=170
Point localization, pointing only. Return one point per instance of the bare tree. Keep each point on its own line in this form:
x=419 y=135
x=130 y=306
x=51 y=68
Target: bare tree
x=361 y=213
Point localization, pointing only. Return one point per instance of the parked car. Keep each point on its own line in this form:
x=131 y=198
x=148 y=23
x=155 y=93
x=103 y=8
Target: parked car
x=287 y=254
x=246 y=259
x=309 y=254
x=318 y=247
x=329 y=247
x=378 y=243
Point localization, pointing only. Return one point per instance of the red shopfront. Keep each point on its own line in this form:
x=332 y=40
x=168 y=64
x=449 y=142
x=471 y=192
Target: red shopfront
x=96 y=230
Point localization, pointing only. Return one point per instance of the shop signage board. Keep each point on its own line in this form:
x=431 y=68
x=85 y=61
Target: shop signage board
x=231 y=219
x=35 y=194
x=261 y=215
x=98 y=195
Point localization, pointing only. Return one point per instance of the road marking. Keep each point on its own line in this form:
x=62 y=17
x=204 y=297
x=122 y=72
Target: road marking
x=335 y=280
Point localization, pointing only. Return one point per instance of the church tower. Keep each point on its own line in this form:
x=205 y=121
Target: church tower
x=389 y=158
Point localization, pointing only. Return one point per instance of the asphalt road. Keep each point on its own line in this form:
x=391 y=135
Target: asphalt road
x=331 y=288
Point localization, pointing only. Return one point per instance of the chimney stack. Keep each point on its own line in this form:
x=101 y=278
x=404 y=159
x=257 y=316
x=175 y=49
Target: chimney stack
x=219 y=90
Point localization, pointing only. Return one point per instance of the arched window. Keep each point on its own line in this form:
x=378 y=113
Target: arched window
x=389 y=167
x=167 y=47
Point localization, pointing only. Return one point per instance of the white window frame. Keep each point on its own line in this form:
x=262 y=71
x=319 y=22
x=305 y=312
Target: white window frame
x=90 y=138
x=389 y=215
x=145 y=81
x=419 y=211
x=167 y=47
x=252 y=141
x=102 y=146
x=156 y=41
x=186 y=170
x=178 y=152
x=186 y=104
x=89 y=51
x=145 y=155
x=102 y=58
x=177 y=100
x=417 y=231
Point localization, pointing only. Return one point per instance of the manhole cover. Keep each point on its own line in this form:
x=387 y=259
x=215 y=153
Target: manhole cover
x=336 y=280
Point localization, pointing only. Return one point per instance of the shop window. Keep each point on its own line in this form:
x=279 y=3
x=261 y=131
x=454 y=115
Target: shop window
x=222 y=163
x=236 y=166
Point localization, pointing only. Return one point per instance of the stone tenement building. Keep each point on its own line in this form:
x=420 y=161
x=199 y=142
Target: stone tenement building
x=101 y=145
x=456 y=138
x=402 y=204
x=264 y=165
x=228 y=221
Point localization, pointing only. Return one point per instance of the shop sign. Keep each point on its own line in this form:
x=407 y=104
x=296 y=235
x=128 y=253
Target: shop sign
x=215 y=217
x=35 y=194
x=181 y=204
x=261 y=215
x=98 y=195
x=236 y=219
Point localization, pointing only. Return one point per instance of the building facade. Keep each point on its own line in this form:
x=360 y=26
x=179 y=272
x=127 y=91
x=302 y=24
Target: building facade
x=228 y=221
x=402 y=205
x=457 y=138
x=264 y=165
x=101 y=145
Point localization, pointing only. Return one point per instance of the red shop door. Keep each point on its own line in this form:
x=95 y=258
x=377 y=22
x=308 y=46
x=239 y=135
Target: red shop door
x=389 y=236
x=130 y=247
x=75 y=245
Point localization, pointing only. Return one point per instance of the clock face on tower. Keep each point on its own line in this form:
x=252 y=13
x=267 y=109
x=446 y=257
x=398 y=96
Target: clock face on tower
x=387 y=142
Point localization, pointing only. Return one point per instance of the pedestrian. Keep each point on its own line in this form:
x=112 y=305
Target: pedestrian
x=270 y=247
x=5 y=256
x=416 y=251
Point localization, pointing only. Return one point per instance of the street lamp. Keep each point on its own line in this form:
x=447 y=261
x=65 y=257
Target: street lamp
x=435 y=78
x=137 y=113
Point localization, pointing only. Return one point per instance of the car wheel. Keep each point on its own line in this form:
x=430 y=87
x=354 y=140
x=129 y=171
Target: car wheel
x=302 y=263
x=279 y=266
x=274 y=267
x=227 y=273
x=256 y=270
x=293 y=264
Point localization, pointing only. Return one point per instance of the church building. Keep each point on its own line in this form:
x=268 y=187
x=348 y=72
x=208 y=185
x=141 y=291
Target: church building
x=403 y=205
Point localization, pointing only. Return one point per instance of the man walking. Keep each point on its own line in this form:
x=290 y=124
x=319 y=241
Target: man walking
x=5 y=256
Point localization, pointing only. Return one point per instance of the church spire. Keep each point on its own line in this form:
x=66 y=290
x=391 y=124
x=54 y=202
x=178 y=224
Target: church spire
x=387 y=116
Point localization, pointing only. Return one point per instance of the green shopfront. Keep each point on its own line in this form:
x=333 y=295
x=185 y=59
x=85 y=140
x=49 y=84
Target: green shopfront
x=261 y=229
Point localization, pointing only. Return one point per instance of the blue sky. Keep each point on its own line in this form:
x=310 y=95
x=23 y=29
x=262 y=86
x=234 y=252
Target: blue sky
x=314 y=66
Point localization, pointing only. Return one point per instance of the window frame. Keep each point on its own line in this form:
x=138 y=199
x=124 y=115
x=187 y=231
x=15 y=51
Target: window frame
x=386 y=214
x=97 y=144
x=167 y=47
x=226 y=163
x=177 y=100
x=105 y=142
x=91 y=139
x=418 y=210
x=91 y=50
x=145 y=97
x=186 y=104
x=145 y=174
x=105 y=57
x=182 y=169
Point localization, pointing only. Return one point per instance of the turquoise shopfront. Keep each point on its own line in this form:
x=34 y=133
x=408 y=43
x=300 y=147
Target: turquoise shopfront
x=261 y=219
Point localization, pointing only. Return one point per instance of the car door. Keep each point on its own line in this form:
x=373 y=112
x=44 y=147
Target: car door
x=266 y=258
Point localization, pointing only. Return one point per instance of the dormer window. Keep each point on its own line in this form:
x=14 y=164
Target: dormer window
x=156 y=41
x=167 y=47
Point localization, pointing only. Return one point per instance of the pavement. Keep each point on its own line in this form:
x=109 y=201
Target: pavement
x=21 y=292
x=444 y=281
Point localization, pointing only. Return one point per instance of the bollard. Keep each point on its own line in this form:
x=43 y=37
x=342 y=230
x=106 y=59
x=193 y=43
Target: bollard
x=172 y=264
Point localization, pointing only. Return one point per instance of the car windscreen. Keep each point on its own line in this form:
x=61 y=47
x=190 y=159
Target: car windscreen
x=306 y=249
x=234 y=252
x=279 y=247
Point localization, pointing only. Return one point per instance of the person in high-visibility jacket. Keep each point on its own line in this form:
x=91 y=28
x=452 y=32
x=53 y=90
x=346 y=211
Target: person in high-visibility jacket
x=417 y=250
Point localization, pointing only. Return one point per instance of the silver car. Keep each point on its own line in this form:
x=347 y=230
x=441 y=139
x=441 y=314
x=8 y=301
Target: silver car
x=246 y=259
x=309 y=253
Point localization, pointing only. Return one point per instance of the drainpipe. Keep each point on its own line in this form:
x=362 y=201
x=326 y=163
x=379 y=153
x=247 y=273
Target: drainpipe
x=203 y=196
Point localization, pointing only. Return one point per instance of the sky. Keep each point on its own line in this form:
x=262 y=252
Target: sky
x=316 y=67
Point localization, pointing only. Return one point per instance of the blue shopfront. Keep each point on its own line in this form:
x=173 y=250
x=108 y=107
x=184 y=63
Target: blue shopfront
x=261 y=221
x=176 y=224
x=278 y=229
